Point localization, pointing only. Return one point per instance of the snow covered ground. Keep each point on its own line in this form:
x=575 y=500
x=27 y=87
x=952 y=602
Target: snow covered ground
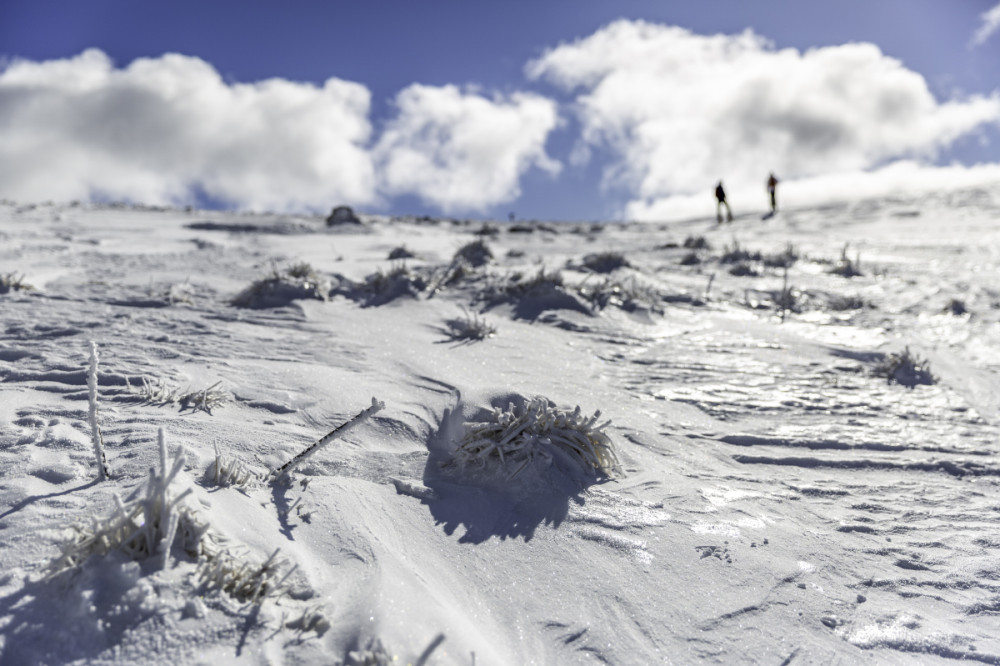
x=779 y=500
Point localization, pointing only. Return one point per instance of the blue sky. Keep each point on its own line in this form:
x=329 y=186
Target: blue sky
x=477 y=109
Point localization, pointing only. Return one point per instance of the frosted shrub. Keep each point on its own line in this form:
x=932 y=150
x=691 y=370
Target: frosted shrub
x=846 y=267
x=905 y=369
x=297 y=282
x=511 y=439
x=400 y=252
x=629 y=295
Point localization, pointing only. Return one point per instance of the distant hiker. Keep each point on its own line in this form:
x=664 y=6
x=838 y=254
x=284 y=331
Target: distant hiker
x=720 y=197
x=772 y=183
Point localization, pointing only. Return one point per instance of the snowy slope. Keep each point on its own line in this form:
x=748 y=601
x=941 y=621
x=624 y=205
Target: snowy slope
x=779 y=500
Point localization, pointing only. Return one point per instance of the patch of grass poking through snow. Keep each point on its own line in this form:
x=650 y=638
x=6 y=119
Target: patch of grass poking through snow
x=512 y=439
x=476 y=254
x=158 y=393
x=470 y=328
x=156 y=522
x=297 y=282
x=226 y=471
x=905 y=369
x=605 y=262
x=13 y=282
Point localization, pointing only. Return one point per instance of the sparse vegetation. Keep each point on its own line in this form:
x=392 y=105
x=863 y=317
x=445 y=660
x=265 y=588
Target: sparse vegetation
x=784 y=259
x=696 y=243
x=537 y=431
x=476 y=254
x=905 y=369
x=738 y=255
x=399 y=253
x=471 y=327
x=13 y=282
x=159 y=393
x=845 y=266
x=605 y=262
x=382 y=287
x=299 y=281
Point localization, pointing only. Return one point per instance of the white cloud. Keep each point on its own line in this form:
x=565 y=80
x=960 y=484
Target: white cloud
x=682 y=110
x=162 y=128
x=459 y=150
x=989 y=24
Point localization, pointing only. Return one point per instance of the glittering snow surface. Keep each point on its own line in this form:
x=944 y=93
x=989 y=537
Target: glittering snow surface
x=789 y=491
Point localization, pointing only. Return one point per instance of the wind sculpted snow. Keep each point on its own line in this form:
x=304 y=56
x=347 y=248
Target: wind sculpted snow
x=782 y=490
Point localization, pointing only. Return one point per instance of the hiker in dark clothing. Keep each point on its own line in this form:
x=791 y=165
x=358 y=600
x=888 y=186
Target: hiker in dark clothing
x=772 y=184
x=720 y=197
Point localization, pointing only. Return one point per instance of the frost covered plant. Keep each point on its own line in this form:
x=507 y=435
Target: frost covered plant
x=299 y=281
x=227 y=471
x=476 y=254
x=605 y=262
x=382 y=287
x=336 y=433
x=400 y=252
x=470 y=328
x=95 y=429
x=158 y=393
x=628 y=295
x=738 y=255
x=158 y=519
x=783 y=259
x=143 y=527
x=13 y=282
x=906 y=369
x=514 y=438
x=846 y=267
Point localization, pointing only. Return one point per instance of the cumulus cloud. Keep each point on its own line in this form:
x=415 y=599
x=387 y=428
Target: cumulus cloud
x=459 y=150
x=680 y=110
x=162 y=129
x=989 y=24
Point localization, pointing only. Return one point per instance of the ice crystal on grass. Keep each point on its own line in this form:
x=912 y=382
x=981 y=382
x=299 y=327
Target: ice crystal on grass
x=905 y=369
x=381 y=287
x=297 y=282
x=511 y=439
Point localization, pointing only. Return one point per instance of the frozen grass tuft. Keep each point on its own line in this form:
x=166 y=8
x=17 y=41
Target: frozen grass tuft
x=476 y=254
x=399 y=253
x=846 y=267
x=158 y=393
x=226 y=471
x=471 y=327
x=905 y=369
x=513 y=438
x=382 y=287
x=13 y=282
x=297 y=282
x=158 y=521
x=605 y=262
x=143 y=527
